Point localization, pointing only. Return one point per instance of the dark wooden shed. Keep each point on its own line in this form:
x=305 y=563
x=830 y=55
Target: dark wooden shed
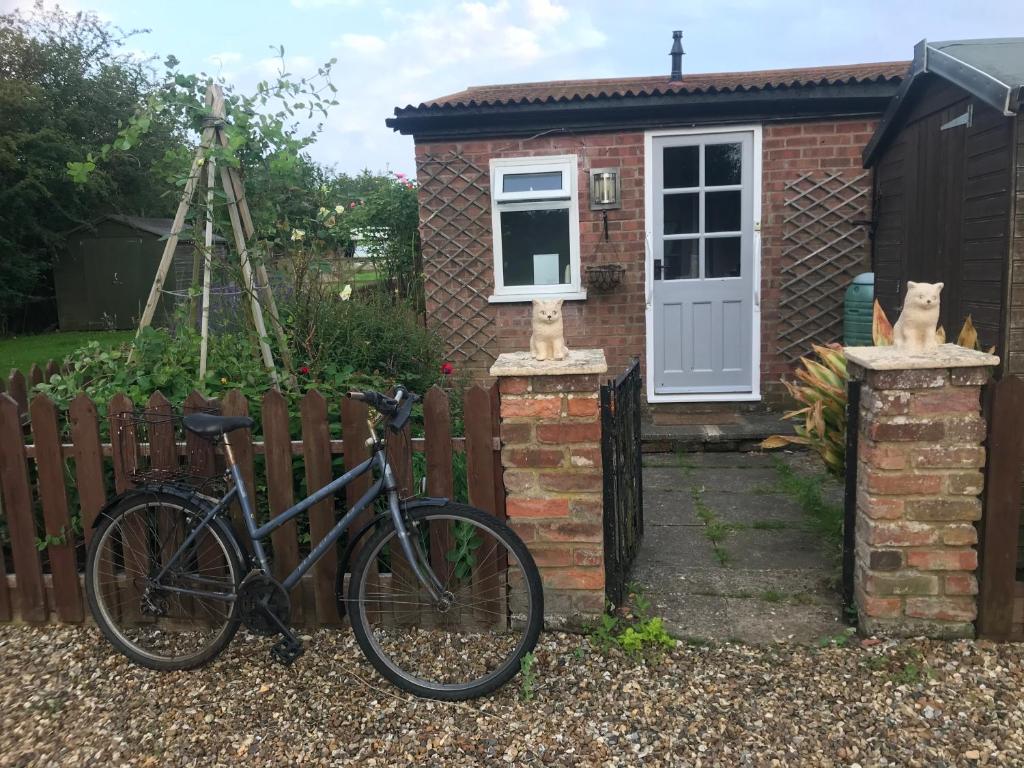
x=948 y=158
x=105 y=274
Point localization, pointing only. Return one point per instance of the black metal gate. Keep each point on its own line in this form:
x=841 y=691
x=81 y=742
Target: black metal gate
x=850 y=495
x=623 y=478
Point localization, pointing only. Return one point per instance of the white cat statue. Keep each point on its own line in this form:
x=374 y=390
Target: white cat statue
x=915 y=329
x=548 y=339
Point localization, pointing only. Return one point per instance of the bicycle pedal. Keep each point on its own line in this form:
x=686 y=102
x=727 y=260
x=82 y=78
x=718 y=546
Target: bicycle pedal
x=286 y=652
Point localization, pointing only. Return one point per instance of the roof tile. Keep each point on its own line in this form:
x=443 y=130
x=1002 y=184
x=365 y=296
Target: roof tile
x=719 y=82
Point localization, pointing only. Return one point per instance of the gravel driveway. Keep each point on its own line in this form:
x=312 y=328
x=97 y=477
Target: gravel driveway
x=65 y=699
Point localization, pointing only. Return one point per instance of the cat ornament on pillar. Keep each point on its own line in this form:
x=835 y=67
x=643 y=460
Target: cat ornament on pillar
x=548 y=339
x=915 y=331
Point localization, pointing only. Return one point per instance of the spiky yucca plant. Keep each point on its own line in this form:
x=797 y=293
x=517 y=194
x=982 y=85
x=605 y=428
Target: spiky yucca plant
x=820 y=391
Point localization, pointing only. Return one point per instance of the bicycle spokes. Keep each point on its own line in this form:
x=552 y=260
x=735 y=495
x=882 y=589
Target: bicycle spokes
x=472 y=629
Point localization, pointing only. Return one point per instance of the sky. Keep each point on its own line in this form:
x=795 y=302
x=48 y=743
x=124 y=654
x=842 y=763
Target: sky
x=392 y=53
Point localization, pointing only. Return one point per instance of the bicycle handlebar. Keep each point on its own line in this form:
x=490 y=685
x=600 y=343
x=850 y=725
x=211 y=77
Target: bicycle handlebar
x=395 y=409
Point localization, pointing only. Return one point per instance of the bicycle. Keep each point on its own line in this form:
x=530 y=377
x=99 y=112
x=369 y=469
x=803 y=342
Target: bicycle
x=438 y=591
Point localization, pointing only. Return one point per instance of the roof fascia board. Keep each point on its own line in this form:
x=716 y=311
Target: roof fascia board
x=820 y=101
x=973 y=80
x=928 y=59
x=918 y=67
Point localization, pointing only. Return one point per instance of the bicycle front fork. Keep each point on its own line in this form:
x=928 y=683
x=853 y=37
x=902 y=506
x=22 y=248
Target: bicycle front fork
x=413 y=552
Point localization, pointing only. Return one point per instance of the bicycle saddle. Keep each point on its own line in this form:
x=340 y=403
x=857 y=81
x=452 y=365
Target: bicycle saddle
x=210 y=425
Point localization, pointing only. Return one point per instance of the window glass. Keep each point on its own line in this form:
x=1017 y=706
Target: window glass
x=722 y=211
x=682 y=213
x=722 y=257
x=682 y=166
x=682 y=260
x=722 y=164
x=535 y=247
x=547 y=181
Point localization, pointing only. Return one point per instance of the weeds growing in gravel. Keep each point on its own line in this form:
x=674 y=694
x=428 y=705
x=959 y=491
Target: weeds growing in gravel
x=837 y=641
x=643 y=637
x=527 y=676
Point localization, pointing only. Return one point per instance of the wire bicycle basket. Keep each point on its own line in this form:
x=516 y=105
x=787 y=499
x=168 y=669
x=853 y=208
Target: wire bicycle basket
x=153 y=446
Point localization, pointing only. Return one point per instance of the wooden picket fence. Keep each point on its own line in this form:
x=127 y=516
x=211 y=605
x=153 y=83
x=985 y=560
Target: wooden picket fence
x=40 y=565
x=18 y=385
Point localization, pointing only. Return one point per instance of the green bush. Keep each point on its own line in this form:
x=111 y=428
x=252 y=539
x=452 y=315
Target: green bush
x=369 y=335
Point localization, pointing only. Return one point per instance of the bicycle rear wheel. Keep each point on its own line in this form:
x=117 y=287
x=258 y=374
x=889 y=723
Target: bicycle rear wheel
x=185 y=618
x=471 y=642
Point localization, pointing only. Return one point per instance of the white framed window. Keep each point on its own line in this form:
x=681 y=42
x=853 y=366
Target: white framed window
x=536 y=228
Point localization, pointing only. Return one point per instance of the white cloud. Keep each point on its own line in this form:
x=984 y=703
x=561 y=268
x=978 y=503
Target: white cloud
x=546 y=12
x=440 y=47
x=302 y=66
x=366 y=44
x=224 y=58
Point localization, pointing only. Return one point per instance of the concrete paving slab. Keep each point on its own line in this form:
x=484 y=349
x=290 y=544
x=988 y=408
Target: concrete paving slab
x=754 y=480
x=669 y=508
x=663 y=459
x=666 y=548
x=749 y=509
x=758 y=621
x=769 y=550
x=779 y=583
x=728 y=459
x=666 y=479
x=793 y=584
x=703 y=617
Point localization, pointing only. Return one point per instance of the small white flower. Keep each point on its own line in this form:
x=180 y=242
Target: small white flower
x=346 y=293
x=323 y=212
x=339 y=209
x=298 y=234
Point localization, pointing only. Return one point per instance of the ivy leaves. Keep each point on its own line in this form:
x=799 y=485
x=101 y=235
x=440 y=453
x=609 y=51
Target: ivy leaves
x=461 y=554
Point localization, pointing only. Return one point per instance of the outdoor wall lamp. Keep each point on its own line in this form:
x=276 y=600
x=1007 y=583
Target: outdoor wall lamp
x=605 y=192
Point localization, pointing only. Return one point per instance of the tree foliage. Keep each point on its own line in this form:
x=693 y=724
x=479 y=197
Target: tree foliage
x=65 y=81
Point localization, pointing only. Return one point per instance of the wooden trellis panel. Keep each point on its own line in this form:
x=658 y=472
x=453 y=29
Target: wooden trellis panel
x=824 y=247
x=456 y=237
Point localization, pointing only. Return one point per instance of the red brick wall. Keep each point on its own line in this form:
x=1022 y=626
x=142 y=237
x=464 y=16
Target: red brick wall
x=615 y=320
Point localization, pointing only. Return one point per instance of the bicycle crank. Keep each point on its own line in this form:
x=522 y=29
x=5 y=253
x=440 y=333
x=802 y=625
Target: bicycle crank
x=263 y=605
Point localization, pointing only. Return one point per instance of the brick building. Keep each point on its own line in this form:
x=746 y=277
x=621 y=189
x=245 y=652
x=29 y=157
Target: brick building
x=730 y=210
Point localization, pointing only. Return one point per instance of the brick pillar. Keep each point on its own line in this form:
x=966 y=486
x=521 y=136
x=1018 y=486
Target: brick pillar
x=919 y=477
x=551 y=457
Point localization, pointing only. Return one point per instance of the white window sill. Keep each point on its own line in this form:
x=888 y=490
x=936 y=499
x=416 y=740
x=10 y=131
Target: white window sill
x=503 y=298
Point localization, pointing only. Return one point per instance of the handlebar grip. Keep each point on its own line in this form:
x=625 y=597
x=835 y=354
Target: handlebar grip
x=356 y=395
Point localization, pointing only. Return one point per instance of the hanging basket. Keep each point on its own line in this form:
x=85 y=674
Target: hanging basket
x=605 y=277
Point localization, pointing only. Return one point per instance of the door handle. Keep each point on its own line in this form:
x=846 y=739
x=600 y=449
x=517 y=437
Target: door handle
x=657 y=269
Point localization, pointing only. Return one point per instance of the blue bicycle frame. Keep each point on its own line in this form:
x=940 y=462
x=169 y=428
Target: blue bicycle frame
x=385 y=483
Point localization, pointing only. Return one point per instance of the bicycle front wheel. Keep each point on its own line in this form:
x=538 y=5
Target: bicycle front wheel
x=472 y=640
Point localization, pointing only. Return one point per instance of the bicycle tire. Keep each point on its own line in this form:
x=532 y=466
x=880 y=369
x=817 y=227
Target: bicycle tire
x=365 y=568
x=103 y=609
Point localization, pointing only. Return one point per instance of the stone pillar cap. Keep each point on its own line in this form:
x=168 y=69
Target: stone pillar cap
x=943 y=356
x=578 y=361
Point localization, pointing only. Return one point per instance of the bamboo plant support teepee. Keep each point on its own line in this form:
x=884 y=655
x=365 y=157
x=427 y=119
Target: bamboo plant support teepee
x=256 y=284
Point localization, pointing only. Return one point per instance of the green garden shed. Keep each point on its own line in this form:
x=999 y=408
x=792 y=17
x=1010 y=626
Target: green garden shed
x=104 y=276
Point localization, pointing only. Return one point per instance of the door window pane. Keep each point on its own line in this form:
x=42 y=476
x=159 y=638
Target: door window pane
x=547 y=181
x=722 y=164
x=535 y=247
x=682 y=213
x=722 y=257
x=682 y=260
x=722 y=211
x=682 y=166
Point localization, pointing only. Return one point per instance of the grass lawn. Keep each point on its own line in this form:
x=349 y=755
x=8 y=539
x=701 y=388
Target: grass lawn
x=22 y=351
